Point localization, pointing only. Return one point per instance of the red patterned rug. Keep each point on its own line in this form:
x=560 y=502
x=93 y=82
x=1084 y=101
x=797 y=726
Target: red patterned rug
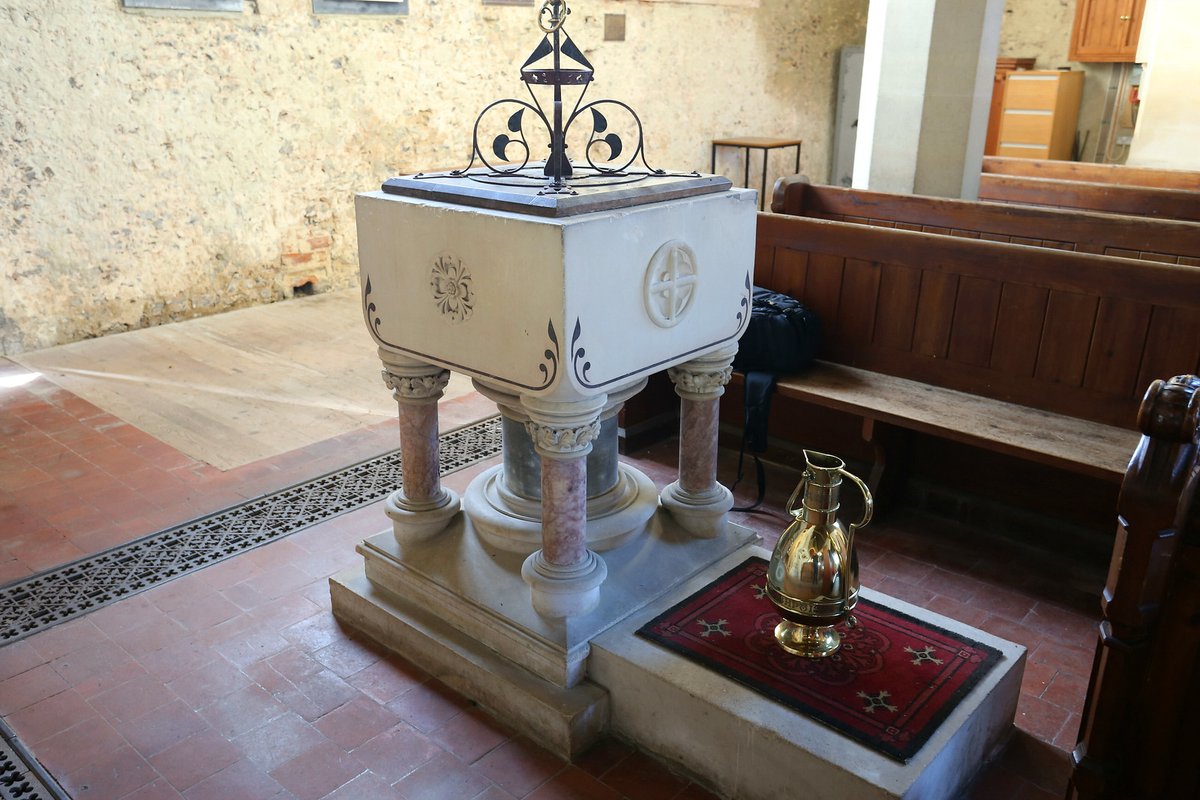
x=889 y=686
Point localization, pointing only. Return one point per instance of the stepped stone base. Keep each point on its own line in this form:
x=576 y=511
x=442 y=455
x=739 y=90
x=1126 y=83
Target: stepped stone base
x=458 y=608
x=746 y=746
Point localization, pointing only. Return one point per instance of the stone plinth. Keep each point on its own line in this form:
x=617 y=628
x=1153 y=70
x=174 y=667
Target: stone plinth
x=457 y=607
x=746 y=746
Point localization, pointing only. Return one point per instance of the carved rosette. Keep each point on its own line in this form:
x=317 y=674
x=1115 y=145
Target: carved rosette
x=416 y=388
x=563 y=441
x=452 y=288
x=700 y=384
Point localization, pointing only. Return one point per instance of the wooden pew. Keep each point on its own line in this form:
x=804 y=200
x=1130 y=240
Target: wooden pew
x=1138 y=737
x=1093 y=173
x=1104 y=188
x=1100 y=197
x=1033 y=352
x=1168 y=241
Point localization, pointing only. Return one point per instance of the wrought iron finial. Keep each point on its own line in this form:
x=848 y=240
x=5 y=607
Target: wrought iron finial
x=557 y=13
x=608 y=154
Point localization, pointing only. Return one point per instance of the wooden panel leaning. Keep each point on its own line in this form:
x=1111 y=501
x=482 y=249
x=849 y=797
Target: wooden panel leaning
x=1138 y=738
x=1029 y=351
x=1168 y=241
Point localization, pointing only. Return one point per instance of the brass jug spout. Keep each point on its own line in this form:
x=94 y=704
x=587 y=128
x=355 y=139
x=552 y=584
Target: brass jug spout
x=813 y=575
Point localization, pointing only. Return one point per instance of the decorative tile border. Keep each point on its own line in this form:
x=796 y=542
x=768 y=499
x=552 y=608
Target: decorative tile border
x=33 y=604
x=22 y=777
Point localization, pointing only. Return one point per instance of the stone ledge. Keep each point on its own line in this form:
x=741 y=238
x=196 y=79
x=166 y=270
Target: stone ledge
x=566 y=721
x=744 y=745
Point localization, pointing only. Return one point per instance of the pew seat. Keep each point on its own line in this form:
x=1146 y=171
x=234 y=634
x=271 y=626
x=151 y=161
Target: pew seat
x=1057 y=440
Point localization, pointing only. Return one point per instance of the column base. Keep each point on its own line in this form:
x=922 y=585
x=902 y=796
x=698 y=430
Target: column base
x=704 y=516
x=514 y=524
x=564 y=591
x=416 y=522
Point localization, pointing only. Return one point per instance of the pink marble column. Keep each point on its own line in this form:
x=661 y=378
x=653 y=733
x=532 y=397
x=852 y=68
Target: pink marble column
x=420 y=448
x=564 y=576
x=564 y=511
x=696 y=501
x=698 y=420
x=422 y=506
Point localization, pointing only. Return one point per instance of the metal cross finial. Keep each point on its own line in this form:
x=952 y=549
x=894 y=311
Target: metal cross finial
x=557 y=11
x=604 y=156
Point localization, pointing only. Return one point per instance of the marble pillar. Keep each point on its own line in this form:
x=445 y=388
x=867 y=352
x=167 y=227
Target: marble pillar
x=422 y=507
x=564 y=576
x=504 y=503
x=696 y=501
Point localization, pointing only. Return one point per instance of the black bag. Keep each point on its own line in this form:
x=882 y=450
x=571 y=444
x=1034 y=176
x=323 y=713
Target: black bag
x=783 y=338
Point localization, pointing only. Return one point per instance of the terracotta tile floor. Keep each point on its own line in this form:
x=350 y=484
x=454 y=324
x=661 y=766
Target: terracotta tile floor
x=236 y=682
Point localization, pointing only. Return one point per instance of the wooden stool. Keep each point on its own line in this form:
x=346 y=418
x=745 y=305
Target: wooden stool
x=748 y=143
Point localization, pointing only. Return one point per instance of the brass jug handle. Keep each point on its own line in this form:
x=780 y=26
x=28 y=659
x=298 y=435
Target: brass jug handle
x=868 y=501
x=796 y=493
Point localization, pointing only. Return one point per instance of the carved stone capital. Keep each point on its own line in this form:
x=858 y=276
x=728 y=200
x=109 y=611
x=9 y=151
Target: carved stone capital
x=697 y=384
x=563 y=441
x=416 y=388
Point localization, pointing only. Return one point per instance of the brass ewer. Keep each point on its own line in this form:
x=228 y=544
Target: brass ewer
x=813 y=575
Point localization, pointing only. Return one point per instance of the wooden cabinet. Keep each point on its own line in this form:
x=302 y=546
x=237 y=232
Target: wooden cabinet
x=1004 y=66
x=1039 y=114
x=1106 y=30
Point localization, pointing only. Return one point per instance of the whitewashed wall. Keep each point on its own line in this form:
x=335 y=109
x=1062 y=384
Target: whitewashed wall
x=159 y=167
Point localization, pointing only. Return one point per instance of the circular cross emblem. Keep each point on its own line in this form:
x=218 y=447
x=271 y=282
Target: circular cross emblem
x=670 y=283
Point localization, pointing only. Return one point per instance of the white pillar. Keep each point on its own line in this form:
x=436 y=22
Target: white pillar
x=926 y=94
x=1168 y=122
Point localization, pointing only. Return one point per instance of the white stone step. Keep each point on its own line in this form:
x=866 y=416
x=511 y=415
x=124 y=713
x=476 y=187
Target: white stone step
x=746 y=746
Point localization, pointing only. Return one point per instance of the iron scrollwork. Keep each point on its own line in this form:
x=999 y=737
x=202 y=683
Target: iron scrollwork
x=607 y=157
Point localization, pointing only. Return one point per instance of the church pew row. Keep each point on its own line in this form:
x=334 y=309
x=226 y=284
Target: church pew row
x=1093 y=173
x=1032 y=352
x=1107 y=189
x=1104 y=198
x=1167 y=241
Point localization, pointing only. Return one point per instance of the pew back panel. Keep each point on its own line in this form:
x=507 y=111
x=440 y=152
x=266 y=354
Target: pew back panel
x=1166 y=241
x=1101 y=197
x=1093 y=173
x=1064 y=332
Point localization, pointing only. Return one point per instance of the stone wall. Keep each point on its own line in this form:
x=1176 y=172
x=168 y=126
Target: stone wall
x=162 y=166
